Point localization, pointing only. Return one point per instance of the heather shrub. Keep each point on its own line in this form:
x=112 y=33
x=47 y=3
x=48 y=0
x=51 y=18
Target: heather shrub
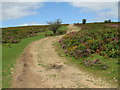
x=86 y=42
x=15 y=34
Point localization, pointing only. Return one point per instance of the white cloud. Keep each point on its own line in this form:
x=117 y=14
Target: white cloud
x=94 y=5
x=0 y=13
x=24 y=0
x=103 y=10
x=29 y=24
x=13 y=10
x=60 y=0
x=112 y=14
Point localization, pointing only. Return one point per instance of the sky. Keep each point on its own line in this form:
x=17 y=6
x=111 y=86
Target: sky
x=39 y=13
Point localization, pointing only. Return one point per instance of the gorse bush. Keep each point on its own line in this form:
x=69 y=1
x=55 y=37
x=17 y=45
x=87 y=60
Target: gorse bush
x=48 y=33
x=62 y=30
x=93 y=40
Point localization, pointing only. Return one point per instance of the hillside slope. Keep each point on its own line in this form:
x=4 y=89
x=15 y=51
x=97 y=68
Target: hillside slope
x=41 y=67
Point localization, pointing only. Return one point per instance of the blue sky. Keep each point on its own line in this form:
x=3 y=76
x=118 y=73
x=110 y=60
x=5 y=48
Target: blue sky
x=38 y=13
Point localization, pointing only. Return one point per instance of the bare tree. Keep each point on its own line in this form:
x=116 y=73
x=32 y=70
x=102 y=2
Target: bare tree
x=53 y=26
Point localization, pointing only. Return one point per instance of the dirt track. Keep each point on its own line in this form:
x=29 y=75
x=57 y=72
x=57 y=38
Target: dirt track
x=41 y=67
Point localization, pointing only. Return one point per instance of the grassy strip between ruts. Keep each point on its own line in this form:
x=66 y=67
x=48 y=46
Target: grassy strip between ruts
x=108 y=75
x=10 y=55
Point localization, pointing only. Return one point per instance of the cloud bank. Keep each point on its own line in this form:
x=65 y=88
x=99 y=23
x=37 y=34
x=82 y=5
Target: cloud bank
x=13 y=10
x=29 y=24
x=21 y=8
x=103 y=10
x=60 y=0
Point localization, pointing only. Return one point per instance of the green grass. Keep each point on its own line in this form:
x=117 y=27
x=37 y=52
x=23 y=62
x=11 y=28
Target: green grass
x=63 y=28
x=1 y=66
x=11 y=54
x=107 y=75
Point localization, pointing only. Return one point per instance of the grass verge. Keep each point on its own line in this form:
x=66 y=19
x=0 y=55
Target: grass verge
x=110 y=75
